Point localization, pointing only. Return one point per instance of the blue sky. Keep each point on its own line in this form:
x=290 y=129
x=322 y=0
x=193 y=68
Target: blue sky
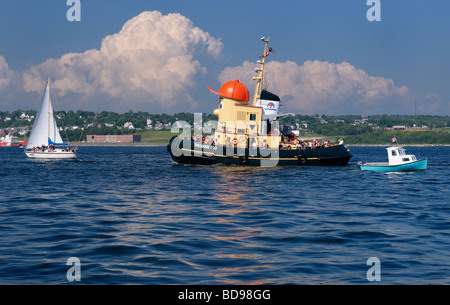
x=334 y=60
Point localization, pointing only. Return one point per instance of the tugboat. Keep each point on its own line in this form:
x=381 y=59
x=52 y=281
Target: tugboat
x=247 y=133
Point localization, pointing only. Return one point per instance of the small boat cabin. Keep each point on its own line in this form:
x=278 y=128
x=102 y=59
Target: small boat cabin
x=397 y=155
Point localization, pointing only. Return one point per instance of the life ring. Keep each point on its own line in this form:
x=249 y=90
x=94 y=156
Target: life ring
x=243 y=160
x=235 y=141
x=302 y=159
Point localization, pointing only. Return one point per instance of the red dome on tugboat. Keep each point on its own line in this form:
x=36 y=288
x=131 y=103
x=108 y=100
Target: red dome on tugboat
x=234 y=90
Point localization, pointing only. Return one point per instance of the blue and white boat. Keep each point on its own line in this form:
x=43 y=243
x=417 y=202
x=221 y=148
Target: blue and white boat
x=399 y=161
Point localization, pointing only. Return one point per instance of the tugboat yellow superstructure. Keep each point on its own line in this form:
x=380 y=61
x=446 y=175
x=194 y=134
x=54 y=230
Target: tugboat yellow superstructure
x=247 y=133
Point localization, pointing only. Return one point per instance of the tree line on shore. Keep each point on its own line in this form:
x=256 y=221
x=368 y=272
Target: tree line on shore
x=378 y=129
x=357 y=129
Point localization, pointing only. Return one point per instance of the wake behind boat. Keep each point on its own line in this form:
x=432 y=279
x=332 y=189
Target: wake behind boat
x=45 y=141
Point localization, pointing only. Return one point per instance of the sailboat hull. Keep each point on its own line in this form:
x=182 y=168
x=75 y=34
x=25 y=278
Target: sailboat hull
x=52 y=155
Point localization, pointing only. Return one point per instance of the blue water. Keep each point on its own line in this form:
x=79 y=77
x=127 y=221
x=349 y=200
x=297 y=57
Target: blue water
x=131 y=216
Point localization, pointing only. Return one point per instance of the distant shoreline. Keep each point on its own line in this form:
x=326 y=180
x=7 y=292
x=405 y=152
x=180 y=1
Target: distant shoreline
x=137 y=144
x=411 y=145
x=145 y=144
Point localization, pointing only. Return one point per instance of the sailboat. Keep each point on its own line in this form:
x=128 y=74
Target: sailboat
x=45 y=141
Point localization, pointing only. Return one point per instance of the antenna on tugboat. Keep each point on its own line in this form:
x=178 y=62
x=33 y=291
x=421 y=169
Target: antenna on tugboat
x=260 y=70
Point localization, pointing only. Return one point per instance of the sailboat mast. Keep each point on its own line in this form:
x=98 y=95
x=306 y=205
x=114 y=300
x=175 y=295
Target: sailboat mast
x=260 y=77
x=48 y=108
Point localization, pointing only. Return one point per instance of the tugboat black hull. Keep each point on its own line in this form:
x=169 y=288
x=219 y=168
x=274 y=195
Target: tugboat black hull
x=189 y=152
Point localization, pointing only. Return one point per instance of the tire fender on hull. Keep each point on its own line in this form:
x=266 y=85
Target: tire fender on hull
x=243 y=160
x=302 y=159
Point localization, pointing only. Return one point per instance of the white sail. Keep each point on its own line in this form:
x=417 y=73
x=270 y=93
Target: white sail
x=44 y=127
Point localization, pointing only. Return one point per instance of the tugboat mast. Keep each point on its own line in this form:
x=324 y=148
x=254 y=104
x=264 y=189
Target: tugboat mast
x=260 y=71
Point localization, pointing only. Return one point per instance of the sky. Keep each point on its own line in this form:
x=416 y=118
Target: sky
x=160 y=56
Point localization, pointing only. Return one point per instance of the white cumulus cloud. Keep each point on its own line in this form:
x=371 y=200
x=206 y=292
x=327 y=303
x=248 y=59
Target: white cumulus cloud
x=6 y=74
x=327 y=88
x=151 y=61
